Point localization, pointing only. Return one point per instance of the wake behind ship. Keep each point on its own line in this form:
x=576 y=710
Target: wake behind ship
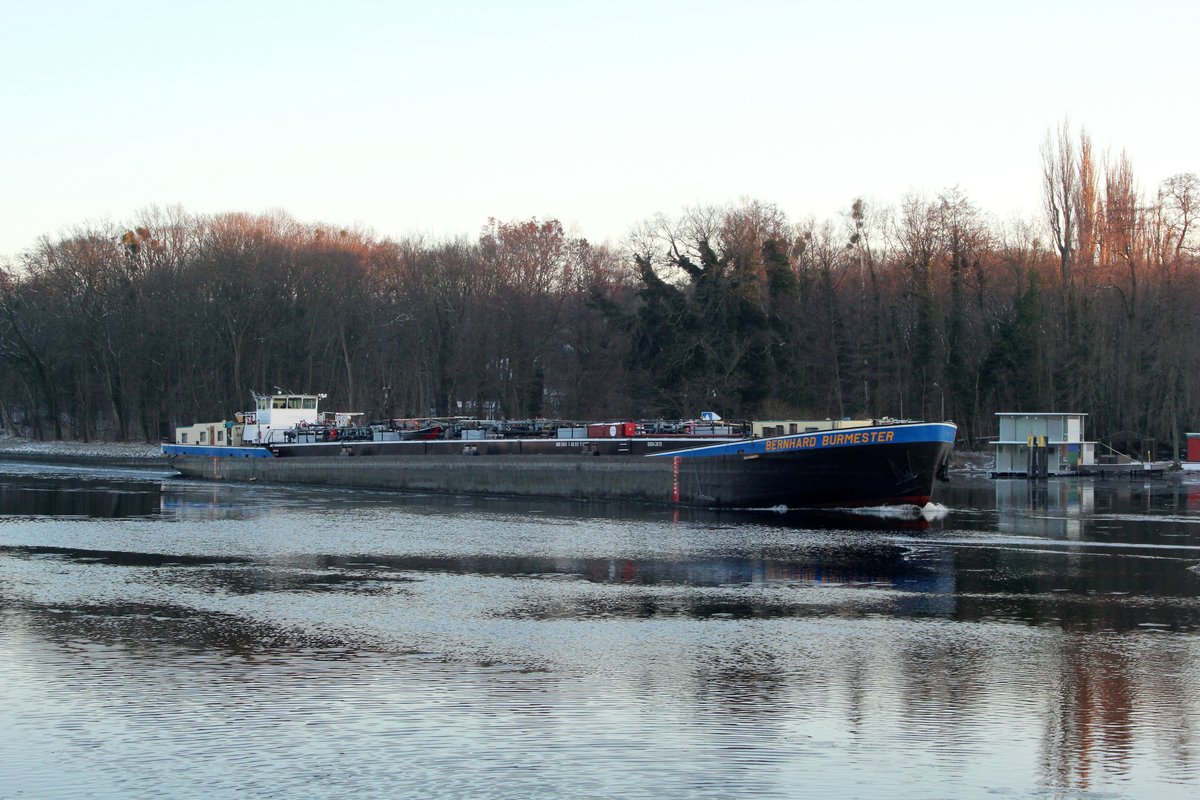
x=703 y=463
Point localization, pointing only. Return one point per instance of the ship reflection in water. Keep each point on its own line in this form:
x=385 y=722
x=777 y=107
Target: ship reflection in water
x=1032 y=639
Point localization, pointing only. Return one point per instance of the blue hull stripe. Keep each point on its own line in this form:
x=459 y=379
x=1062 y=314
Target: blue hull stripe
x=823 y=440
x=215 y=451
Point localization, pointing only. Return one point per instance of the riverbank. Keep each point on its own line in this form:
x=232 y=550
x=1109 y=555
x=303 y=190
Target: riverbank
x=972 y=462
x=99 y=454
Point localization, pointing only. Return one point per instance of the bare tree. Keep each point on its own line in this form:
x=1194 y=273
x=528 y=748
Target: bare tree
x=1180 y=197
x=1060 y=192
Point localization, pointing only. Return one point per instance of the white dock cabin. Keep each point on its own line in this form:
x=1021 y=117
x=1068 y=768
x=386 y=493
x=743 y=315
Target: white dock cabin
x=1042 y=444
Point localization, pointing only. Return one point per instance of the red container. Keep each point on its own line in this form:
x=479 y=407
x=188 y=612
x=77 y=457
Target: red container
x=611 y=430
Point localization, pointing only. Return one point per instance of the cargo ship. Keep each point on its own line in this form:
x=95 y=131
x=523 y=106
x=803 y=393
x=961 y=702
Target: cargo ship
x=707 y=462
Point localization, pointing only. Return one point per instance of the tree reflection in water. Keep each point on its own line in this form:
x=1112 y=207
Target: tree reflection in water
x=1034 y=639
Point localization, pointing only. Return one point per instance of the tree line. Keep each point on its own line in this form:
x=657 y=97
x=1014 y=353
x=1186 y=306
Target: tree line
x=919 y=311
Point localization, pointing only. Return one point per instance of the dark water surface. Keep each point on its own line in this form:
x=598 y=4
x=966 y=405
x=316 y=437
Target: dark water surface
x=184 y=639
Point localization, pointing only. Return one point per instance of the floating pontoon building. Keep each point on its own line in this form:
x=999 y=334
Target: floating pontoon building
x=1043 y=444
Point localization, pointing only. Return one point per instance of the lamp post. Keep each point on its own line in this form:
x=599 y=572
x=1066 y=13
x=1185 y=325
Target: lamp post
x=943 y=394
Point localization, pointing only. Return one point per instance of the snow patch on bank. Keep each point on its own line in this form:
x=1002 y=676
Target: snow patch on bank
x=30 y=447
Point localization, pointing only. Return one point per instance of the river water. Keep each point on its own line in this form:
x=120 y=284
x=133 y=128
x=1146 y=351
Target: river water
x=162 y=637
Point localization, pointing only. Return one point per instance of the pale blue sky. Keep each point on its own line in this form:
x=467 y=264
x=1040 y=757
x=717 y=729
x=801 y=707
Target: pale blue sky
x=408 y=117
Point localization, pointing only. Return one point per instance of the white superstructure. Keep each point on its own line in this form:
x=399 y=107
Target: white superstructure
x=275 y=413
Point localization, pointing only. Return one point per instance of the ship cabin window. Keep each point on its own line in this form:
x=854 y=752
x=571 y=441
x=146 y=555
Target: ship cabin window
x=220 y=436
x=294 y=402
x=264 y=403
x=278 y=402
x=310 y=403
x=203 y=437
x=793 y=427
x=183 y=438
x=811 y=429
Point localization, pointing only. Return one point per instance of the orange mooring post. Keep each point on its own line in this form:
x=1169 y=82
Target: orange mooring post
x=675 y=480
